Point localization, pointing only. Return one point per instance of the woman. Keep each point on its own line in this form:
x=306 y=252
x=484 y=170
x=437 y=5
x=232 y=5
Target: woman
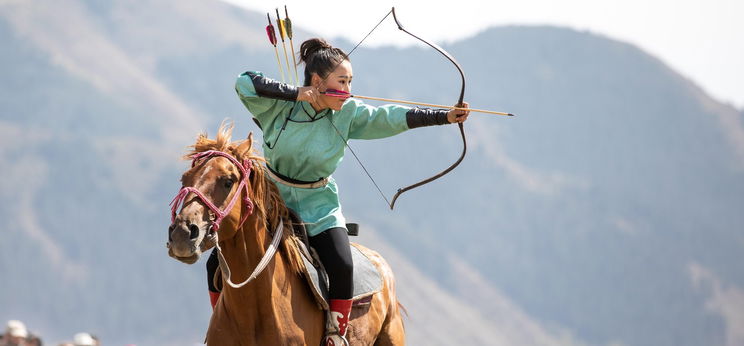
x=305 y=131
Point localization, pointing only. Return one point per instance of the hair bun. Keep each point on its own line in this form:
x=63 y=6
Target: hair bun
x=311 y=46
x=320 y=57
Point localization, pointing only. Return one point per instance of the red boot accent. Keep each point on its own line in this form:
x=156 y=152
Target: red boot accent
x=213 y=296
x=340 y=310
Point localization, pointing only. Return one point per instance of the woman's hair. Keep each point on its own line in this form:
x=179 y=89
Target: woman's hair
x=320 y=57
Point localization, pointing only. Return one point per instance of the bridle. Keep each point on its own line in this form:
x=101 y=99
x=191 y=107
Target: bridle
x=219 y=214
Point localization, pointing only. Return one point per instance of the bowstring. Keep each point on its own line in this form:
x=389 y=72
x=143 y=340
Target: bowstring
x=346 y=143
x=369 y=33
x=462 y=131
x=355 y=47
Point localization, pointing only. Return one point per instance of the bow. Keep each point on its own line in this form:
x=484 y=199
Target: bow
x=459 y=103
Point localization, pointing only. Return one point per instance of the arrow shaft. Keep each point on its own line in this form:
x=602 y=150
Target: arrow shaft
x=431 y=105
x=288 y=30
x=279 y=62
x=294 y=60
x=289 y=73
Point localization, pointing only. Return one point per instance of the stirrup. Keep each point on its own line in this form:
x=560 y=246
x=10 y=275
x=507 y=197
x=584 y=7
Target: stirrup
x=325 y=338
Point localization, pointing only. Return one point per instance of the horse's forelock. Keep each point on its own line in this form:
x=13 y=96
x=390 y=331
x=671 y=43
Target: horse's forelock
x=221 y=143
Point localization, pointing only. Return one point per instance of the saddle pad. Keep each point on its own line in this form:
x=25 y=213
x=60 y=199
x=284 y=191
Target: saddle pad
x=367 y=279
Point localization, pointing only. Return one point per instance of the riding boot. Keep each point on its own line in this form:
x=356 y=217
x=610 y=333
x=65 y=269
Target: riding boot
x=337 y=322
x=213 y=296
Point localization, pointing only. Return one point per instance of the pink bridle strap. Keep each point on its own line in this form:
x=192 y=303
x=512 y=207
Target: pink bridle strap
x=244 y=168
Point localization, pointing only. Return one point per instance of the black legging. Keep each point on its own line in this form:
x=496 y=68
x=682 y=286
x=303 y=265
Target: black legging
x=334 y=251
x=212 y=264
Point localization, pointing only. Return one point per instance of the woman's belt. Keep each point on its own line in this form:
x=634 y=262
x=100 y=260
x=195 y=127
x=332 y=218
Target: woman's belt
x=284 y=180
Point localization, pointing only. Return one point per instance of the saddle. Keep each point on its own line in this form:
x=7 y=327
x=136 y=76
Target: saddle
x=367 y=279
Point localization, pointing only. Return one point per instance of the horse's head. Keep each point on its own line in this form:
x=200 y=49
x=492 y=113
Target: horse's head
x=215 y=196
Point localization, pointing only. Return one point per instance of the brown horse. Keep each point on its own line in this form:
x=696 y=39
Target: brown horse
x=227 y=200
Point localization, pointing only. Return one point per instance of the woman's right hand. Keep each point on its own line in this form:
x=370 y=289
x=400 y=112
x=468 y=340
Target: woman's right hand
x=308 y=94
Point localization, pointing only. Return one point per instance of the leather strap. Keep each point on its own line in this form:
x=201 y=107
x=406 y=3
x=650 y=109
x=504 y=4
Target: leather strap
x=295 y=183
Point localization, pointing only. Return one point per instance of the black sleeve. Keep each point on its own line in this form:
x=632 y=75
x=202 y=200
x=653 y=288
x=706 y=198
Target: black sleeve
x=266 y=87
x=418 y=117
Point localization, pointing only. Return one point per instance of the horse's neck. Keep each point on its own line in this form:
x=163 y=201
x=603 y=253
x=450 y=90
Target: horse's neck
x=276 y=305
x=242 y=254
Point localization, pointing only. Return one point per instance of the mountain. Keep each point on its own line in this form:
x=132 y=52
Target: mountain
x=607 y=212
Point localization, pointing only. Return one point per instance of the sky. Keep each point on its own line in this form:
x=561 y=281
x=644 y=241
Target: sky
x=701 y=39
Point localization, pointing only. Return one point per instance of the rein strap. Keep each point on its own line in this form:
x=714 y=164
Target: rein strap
x=267 y=257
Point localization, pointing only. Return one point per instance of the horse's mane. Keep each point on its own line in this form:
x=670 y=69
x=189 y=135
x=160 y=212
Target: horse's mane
x=268 y=203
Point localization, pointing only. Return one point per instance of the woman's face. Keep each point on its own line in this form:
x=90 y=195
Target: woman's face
x=339 y=79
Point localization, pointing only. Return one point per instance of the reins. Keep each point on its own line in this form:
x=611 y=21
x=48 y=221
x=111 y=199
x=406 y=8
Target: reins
x=267 y=257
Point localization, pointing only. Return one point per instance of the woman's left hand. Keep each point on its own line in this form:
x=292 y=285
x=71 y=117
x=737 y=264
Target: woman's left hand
x=458 y=115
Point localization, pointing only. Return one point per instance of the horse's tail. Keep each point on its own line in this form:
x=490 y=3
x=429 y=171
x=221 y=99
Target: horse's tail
x=392 y=289
x=393 y=329
x=401 y=307
x=391 y=332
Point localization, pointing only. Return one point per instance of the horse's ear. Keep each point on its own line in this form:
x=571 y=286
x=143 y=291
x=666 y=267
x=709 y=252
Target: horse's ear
x=245 y=147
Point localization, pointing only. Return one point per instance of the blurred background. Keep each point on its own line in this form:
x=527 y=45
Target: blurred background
x=608 y=212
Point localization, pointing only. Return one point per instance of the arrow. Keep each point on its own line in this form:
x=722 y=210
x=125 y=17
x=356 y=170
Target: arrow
x=288 y=28
x=272 y=39
x=282 y=34
x=343 y=94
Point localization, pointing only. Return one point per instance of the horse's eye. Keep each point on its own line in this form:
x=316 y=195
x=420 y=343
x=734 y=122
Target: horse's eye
x=228 y=183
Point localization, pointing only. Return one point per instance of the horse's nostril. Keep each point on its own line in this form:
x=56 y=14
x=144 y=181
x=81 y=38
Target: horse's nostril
x=194 y=231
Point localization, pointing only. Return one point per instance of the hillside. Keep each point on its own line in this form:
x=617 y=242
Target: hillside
x=606 y=212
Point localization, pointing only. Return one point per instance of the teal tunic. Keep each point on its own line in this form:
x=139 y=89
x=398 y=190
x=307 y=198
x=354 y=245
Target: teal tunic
x=309 y=150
